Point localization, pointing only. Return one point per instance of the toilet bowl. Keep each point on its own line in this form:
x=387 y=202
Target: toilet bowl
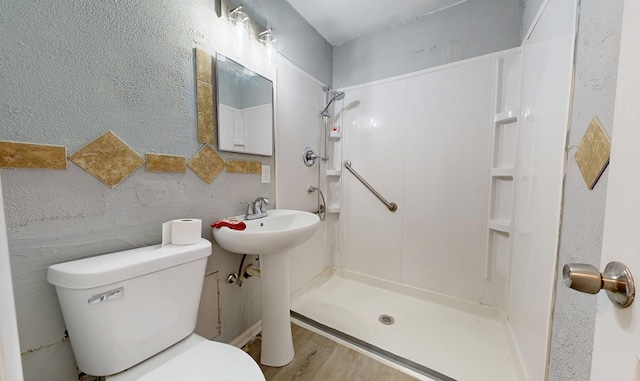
x=130 y=316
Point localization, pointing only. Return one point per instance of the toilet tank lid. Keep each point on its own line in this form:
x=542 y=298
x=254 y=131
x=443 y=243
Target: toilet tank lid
x=122 y=265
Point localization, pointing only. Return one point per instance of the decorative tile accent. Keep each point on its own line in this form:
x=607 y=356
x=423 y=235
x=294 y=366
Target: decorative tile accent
x=204 y=95
x=203 y=66
x=256 y=167
x=241 y=166
x=208 y=323
x=592 y=155
x=206 y=164
x=166 y=163
x=108 y=159
x=26 y=155
x=205 y=113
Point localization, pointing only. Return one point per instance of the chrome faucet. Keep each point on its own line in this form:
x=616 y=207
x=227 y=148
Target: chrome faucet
x=256 y=209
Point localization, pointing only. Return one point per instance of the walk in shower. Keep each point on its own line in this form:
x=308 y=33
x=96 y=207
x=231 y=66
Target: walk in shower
x=457 y=283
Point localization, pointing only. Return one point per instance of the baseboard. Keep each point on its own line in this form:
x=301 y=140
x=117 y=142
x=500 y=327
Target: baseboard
x=242 y=339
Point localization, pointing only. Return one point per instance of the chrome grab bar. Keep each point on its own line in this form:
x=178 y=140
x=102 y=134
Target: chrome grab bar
x=391 y=205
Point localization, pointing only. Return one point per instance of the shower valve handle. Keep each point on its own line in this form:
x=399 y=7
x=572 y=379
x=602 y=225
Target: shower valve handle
x=309 y=157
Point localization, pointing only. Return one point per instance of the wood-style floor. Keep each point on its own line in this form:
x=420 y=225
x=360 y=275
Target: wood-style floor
x=320 y=359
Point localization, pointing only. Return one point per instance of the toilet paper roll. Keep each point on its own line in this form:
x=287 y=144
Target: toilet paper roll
x=185 y=231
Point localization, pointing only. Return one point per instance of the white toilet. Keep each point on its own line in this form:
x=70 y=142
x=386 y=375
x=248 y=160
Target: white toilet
x=131 y=315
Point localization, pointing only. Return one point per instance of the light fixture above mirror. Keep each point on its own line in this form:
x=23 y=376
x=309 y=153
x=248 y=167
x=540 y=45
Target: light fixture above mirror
x=242 y=28
x=246 y=27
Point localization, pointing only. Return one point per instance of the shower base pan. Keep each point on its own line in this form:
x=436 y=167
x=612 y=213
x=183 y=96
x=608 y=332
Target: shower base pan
x=426 y=335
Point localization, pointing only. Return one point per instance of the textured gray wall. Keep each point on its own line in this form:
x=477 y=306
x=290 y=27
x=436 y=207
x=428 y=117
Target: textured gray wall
x=529 y=13
x=596 y=68
x=297 y=40
x=470 y=29
x=69 y=72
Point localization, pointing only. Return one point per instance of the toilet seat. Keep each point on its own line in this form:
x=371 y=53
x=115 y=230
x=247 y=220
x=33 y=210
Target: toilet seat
x=194 y=359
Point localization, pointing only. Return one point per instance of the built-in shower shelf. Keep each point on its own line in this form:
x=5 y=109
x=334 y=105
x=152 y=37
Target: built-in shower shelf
x=506 y=117
x=501 y=226
x=502 y=172
x=335 y=135
x=334 y=172
x=333 y=209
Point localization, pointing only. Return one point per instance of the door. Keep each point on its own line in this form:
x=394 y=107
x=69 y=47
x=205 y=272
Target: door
x=616 y=348
x=10 y=362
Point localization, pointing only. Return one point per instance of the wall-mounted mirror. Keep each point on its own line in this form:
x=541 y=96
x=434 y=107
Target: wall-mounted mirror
x=245 y=109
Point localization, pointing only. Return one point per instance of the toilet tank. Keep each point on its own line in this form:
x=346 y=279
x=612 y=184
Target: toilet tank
x=124 y=307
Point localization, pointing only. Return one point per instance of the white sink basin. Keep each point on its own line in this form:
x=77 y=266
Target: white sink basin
x=271 y=237
x=281 y=230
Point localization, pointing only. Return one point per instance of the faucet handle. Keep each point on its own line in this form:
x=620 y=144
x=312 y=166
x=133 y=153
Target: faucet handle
x=249 y=207
x=265 y=201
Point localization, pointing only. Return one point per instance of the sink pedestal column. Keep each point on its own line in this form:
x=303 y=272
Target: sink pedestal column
x=277 y=343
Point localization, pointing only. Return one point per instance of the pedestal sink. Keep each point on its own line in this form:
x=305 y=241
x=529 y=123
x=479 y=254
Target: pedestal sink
x=272 y=237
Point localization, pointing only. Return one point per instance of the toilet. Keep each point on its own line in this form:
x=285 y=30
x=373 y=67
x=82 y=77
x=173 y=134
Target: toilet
x=130 y=315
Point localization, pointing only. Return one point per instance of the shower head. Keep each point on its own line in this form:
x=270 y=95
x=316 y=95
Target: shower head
x=338 y=97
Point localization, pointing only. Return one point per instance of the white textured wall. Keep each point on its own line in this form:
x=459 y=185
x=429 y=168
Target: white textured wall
x=596 y=67
x=71 y=71
x=470 y=29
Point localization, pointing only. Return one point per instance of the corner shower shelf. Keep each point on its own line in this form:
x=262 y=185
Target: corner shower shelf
x=334 y=172
x=333 y=209
x=506 y=117
x=501 y=226
x=502 y=172
x=335 y=135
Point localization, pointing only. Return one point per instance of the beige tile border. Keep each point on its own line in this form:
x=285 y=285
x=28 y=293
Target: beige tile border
x=166 y=163
x=204 y=97
x=242 y=166
x=34 y=156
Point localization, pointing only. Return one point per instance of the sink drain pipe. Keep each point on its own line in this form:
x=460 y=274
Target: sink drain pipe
x=251 y=271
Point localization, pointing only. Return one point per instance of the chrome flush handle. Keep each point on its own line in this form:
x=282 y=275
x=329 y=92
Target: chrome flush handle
x=118 y=293
x=616 y=280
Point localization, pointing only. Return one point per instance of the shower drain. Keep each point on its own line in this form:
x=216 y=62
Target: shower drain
x=386 y=319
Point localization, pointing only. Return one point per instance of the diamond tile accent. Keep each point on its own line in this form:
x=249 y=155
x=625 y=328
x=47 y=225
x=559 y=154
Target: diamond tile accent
x=108 y=159
x=26 y=155
x=166 y=163
x=206 y=164
x=592 y=155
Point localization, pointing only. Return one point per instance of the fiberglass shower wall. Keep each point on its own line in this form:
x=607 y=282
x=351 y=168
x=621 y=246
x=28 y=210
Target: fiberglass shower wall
x=474 y=155
x=424 y=142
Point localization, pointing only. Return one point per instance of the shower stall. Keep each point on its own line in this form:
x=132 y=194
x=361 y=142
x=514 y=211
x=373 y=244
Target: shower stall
x=457 y=283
